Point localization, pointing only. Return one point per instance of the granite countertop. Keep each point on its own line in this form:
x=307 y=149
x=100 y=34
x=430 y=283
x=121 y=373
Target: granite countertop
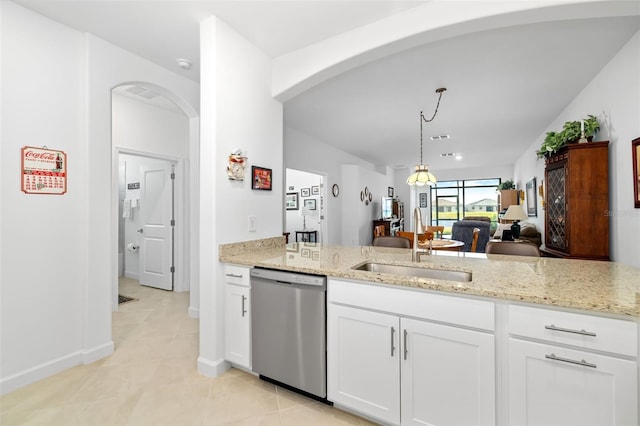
x=596 y=286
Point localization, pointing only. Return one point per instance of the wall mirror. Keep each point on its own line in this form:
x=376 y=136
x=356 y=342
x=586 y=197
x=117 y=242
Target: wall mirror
x=635 y=146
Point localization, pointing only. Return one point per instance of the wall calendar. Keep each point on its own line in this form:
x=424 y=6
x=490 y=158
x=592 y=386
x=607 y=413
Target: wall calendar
x=44 y=171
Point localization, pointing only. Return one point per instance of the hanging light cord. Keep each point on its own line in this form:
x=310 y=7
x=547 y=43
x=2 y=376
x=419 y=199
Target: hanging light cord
x=440 y=91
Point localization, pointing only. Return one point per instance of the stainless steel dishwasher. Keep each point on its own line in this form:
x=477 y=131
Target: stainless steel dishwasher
x=288 y=328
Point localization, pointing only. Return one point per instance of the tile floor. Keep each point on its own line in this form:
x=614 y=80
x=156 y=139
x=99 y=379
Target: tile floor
x=152 y=379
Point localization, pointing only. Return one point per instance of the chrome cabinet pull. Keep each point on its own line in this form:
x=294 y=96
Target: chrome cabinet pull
x=405 y=344
x=569 y=330
x=393 y=348
x=234 y=275
x=244 y=311
x=570 y=361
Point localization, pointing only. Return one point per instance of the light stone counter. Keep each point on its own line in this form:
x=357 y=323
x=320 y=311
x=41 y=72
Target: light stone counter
x=606 y=287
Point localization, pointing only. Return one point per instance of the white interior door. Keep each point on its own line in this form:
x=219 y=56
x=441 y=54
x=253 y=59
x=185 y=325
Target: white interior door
x=156 y=212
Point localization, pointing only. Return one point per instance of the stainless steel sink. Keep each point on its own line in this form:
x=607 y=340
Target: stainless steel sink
x=412 y=271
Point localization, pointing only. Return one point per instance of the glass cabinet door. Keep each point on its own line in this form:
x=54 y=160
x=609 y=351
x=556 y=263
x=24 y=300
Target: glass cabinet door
x=556 y=209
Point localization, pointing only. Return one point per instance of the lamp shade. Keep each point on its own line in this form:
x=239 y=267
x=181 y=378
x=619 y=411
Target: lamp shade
x=515 y=212
x=422 y=177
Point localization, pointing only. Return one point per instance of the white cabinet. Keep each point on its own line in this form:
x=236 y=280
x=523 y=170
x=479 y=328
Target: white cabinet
x=409 y=371
x=237 y=316
x=363 y=361
x=448 y=375
x=559 y=375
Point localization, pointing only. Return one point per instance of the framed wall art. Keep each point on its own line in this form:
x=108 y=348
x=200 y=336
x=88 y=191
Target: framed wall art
x=305 y=192
x=261 y=178
x=291 y=201
x=635 y=146
x=43 y=171
x=315 y=190
x=310 y=204
x=532 y=201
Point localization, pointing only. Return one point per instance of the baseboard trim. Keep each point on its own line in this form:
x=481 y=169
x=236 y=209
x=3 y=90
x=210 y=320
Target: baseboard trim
x=99 y=352
x=194 y=312
x=51 y=368
x=212 y=369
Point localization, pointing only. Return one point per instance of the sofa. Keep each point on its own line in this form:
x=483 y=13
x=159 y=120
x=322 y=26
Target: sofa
x=528 y=232
x=462 y=230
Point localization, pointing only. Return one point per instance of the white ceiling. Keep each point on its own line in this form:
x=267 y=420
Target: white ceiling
x=504 y=86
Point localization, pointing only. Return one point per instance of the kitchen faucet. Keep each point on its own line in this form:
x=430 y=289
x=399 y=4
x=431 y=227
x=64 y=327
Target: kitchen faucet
x=418 y=229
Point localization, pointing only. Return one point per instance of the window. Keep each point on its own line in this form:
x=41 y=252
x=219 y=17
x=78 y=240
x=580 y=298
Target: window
x=454 y=199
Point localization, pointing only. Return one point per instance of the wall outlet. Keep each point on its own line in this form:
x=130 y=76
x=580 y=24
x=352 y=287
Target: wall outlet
x=252 y=224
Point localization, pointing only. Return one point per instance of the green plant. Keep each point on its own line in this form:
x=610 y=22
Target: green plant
x=507 y=184
x=571 y=132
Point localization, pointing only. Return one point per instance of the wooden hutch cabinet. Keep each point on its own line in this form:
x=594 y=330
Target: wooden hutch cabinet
x=577 y=202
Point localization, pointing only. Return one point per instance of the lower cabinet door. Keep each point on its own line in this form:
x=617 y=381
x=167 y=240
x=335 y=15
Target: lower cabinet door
x=363 y=355
x=237 y=325
x=448 y=375
x=550 y=385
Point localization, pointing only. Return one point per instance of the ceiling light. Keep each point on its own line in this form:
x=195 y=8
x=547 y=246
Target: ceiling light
x=421 y=176
x=440 y=137
x=185 y=64
x=458 y=157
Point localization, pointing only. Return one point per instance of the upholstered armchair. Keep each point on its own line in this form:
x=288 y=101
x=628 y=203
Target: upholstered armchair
x=463 y=231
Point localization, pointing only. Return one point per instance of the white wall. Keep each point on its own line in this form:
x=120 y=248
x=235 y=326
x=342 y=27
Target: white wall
x=614 y=97
x=237 y=112
x=146 y=128
x=59 y=253
x=43 y=243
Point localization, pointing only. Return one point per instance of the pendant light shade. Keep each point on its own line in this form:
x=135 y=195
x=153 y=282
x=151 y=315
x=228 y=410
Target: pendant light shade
x=422 y=176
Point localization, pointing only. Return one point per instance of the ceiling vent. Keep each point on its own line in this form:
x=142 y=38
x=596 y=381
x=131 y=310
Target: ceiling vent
x=437 y=138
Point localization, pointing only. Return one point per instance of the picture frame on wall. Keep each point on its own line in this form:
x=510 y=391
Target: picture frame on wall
x=423 y=199
x=291 y=201
x=532 y=201
x=390 y=191
x=261 y=178
x=315 y=190
x=635 y=155
x=305 y=192
x=310 y=204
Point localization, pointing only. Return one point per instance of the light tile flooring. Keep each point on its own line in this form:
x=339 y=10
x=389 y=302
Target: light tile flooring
x=152 y=379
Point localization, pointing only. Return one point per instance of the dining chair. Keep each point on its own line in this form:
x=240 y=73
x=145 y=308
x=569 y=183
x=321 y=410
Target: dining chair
x=437 y=230
x=409 y=235
x=387 y=241
x=474 y=241
x=378 y=231
x=515 y=248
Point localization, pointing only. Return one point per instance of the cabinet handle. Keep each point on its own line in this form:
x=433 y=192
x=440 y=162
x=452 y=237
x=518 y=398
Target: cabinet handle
x=244 y=311
x=568 y=330
x=570 y=361
x=234 y=275
x=393 y=348
x=405 y=344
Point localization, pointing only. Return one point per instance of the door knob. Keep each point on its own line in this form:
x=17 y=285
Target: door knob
x=140 y=230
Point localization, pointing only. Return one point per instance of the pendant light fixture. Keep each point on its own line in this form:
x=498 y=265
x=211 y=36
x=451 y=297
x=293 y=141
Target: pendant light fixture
x=421 y=176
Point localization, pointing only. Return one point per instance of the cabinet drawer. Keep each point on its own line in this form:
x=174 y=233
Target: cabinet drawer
x=586 y=331
x=237 y=275
x=414 y=303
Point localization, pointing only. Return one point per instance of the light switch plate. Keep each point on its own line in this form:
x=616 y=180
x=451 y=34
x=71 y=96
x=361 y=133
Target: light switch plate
x=252 y=223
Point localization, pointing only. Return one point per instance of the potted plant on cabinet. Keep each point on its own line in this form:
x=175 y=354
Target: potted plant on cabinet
x=571 y=132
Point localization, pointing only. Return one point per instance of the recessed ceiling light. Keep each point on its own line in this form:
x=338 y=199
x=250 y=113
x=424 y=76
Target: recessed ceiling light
x=440 y=137
x=185 y=64
x=458 y=157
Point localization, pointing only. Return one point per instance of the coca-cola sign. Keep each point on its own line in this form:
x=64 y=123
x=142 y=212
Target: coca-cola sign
x=44 y=171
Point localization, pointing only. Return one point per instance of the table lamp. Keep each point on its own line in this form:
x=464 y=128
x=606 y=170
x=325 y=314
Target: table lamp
x=516 y=214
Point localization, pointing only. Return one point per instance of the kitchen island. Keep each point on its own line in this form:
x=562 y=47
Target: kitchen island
x=524 y=341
